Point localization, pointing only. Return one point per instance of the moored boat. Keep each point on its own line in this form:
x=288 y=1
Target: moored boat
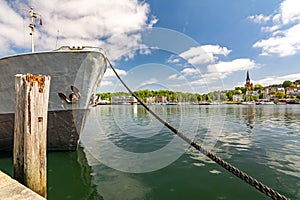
x=75 y=73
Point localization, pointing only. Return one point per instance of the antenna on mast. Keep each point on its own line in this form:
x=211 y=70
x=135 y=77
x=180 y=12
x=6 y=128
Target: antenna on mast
x=33 y=16
x=57 y=38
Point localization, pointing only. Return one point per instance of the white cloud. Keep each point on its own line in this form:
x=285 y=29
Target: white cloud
x=286 y=44
x=223 y=69
x=109 y=78
x=11 y=28
x=216 y=69
x=284 y=30
x=259 y=19
x=106 y=83
x=186 y=74
x=202 y=54
x=277 y=79
x=196 y=55
x=190 y=71
x=110 y=73
x=173 y=60
x=176 y=77
x=212 y=79
x=148 y=82
x=112 y=25
x=290 y=11
x=216 y=50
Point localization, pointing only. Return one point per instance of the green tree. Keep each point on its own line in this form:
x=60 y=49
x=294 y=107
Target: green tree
x=105 y=96
x=275 y=85
x=287 y=84
x=248 y=97
x=199 y=97
x=279 y=95
x=229 y=95
x=173 y=97
x=262 y=95
x=223 y=97
x=298 y=96
x=237 y=92
x=258 y=87
x=243 y=90
x=272 y=92
x=255 y=98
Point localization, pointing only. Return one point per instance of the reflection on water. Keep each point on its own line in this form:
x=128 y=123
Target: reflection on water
x=70 y=176
x=113 y=184
x=263 y=141
x=250 y=117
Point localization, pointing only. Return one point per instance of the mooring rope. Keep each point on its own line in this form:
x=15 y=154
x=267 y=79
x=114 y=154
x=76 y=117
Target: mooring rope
x=232 y=169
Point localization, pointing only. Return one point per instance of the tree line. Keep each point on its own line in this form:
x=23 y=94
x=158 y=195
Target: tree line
x=209 y=97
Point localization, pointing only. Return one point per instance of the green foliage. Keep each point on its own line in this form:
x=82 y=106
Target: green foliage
x=237 y=92
x=287 y=84
x=279 y=95
x=199 y=97
x=229 y=95
x=243 y=90
x=209 y=97
x=105 y=96
x=258 y=87
x=237 y=88
x=262 y=95
x=272 y=92
x=275 y=85
x=250 y=97
x=170 y=95
x=298 y=96
x=223 y=97
x=255 y=98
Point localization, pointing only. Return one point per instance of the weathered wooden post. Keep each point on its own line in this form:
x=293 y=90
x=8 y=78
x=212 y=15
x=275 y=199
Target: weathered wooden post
x=30 y=134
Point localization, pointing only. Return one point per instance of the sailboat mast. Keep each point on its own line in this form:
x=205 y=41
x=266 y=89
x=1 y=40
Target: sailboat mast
x=32 y=26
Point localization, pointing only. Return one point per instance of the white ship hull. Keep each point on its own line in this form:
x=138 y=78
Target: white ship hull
x=82 y=68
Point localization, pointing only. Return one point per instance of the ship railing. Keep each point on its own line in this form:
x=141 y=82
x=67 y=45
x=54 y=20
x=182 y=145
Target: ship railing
x=80 y=48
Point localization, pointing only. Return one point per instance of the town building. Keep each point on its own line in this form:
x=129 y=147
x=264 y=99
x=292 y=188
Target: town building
x=123 y=100
x=237 y=97
x=292 y=91
x=281 y=89
x=154 y=100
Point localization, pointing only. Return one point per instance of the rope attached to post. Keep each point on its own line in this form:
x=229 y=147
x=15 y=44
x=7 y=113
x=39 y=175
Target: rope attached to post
x=235 y=171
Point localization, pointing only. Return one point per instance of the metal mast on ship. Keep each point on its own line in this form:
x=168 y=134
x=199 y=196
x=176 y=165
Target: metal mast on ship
x=33 y=16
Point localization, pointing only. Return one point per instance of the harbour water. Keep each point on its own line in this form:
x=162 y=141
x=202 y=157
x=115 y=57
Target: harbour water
x=262 y=140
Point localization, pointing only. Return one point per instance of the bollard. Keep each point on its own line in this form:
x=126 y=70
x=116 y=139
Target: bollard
x=30 y=131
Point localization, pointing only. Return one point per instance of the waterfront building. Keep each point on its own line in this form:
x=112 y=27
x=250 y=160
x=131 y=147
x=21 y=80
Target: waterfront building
x=123 y=100
x=159 y=99
x=281 y=89
x=292 y=91
x=237 y=97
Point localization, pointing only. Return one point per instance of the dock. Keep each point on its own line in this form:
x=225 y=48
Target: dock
x=11 y=189
x=30 y=125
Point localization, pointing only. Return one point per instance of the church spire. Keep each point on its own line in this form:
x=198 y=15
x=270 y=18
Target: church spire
x=248 y=84
x=247 y=77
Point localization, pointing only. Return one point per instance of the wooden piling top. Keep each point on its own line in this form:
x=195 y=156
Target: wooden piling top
x=11 y=189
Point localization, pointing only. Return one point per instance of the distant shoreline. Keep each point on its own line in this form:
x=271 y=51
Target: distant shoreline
x=202 y=104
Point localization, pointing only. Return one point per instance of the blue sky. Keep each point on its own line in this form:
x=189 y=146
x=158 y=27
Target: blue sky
x=238 y=26
x=194 y=45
